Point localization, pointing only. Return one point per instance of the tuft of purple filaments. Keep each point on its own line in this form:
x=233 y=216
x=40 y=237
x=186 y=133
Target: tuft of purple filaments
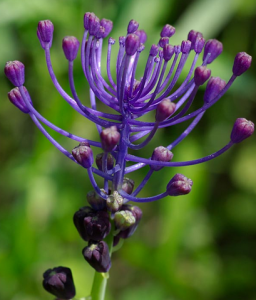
x=131 y=98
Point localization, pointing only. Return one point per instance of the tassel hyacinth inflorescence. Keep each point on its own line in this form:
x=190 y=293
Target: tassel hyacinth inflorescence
x=129 y=98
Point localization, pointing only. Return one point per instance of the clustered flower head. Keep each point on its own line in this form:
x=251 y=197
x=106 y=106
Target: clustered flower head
x=130 y=97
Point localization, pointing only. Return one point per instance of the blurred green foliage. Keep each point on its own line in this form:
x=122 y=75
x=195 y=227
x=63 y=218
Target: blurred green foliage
x=197 y=247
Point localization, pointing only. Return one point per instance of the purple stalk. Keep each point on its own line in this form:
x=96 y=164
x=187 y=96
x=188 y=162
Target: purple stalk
x=142 y=200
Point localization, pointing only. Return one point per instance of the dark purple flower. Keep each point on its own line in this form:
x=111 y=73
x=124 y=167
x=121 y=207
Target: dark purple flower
x=202 y=74
x=128 y=185
x=132 y=43
x=214 y=86
x=97 y=255
x=96 y=202
x=91 y=224
x=110 y=161
x=164 y=110
x=45 y=33
x=212 y=49
x=59 y=282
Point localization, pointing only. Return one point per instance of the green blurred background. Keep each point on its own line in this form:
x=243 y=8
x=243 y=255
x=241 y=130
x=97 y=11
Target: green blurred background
x=198 y=247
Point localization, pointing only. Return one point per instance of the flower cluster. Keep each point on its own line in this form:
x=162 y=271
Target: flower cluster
x=109 y=213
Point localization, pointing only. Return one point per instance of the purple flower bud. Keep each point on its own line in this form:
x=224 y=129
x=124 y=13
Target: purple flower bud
x=93 y=24
x=164 y=110
x=179 y=185
x=91 y=224
x=153 y=50
x=214 y=86
x=15 y=72
x=111 y=41
x=177 y=49
x=132 y=43
x=86 y=19
x=199 y=44
x=185 y=47
x=142 y=35
x=168 y=52
x=97 y=255
x=100 y=33
x=59 y=282
x=242 y=129
x=242 y=63
x=214 y=49
x=109 y=138
x=124 y=219
x=45 y=33
x=161 y=154
x=96 y=202
x=132 y=26
x=114 y=202
x=137 y=213
x=167 y=31
x=128 y=185
x=83 y=155
x=163 y=41
x=201 y=75
x=122 y=40
x=193 y=36
x=108 y=25
x=15 y=97
x=70 y=46
x=110 y=161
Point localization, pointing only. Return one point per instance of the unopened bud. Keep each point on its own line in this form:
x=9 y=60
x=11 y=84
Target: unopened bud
x=153 y=50
x=110 y=161
x=164 y=110
x=167 y=31
x=179 y=185
x=128 y=185
x=142 y=35
x=168 y=52
x=185 y=47
x=96 y=201
x=161 y=154
x=45 y=33
x=15 y=72
x=163 y=41
x=108 y=25
x=193 y=36
x=242 y=129
x=109 y=138
x=242 y=63
x=114 y=202
x=132 y=26
x=83 y=155
x=201 y=75
x=93 y=24
x=214 y=86
x=70 y=46
x=15 y=97
x=132 y=43
x=213 y=48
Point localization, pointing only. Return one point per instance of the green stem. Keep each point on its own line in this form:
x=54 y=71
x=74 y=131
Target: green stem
x=100 y=279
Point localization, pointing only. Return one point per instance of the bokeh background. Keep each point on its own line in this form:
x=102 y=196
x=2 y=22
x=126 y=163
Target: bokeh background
x=198 y=247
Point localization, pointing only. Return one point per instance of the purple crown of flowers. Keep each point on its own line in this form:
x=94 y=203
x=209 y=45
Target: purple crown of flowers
x=130 y=99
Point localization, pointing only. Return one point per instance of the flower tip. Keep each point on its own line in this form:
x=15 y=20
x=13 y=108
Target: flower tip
x=15 y=72
x=132 y=26
x=15 y=97
x=242 y=63
x=153 y=50
x=194 y=36
x=201 y=75
x=167 y=31
x=45 y=33
x=92 y=22
x=83 y=155
x=242 y=129
x=163 y=41
x=161 y=154
x=179 y=185
x=164 y=110
x=70 y=46
x=132 y=43
x=212 y=49
x=185 y=46
x=214 y=86
x=107 y=25
x=59 y=282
